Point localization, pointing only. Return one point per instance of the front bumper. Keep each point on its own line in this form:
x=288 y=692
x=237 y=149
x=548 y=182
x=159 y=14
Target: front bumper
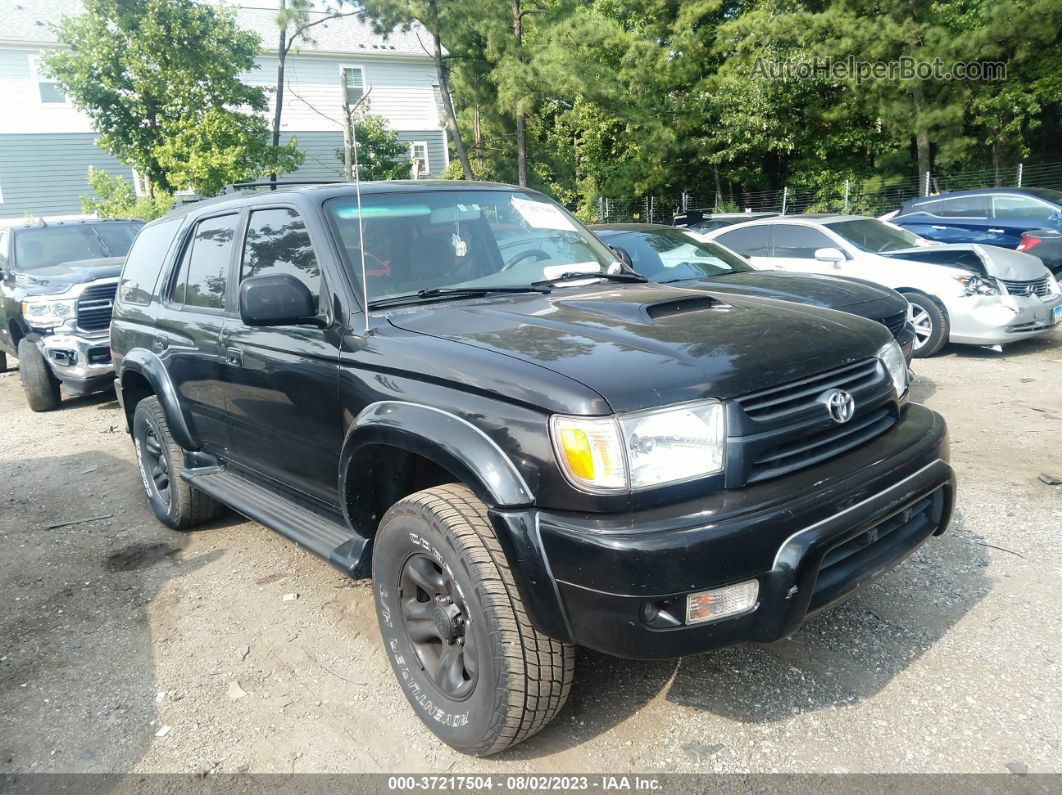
x=81 y=361
x=995 y=320
x=811 y=539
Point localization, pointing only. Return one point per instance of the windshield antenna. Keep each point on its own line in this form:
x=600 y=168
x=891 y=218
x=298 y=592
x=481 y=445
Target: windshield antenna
x=357 y=190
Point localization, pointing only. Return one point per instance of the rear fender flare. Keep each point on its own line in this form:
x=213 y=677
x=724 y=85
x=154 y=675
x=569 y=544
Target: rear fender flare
x=151 y=367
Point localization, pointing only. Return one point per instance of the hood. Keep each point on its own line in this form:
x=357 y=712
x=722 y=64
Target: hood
x=1003 y=263
x=57 y=278
x=645 y=345
x=831 y=292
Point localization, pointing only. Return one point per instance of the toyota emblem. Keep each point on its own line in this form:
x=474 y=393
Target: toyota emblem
x=839 y=404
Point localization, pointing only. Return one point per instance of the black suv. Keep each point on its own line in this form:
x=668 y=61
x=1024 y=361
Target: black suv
x=57 y=283
x=525 y=444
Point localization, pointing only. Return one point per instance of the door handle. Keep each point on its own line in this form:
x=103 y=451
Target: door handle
x=938 y=227
x=996 y=231
x=160 y=343
x=233 y=356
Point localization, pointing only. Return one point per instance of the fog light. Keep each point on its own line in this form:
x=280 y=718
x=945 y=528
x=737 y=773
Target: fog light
x=722 y=602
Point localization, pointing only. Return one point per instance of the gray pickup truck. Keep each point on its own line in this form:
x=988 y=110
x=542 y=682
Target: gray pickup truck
x=57 y=286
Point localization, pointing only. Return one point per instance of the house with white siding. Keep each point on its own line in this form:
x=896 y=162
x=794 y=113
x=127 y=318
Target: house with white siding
x=47 y=145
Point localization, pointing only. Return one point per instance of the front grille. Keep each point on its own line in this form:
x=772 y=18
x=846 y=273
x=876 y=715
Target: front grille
x=894 y=323
x=850 y=564
x=797 y=396
x=95 y=305
x=1040 y=287
x=815 y=447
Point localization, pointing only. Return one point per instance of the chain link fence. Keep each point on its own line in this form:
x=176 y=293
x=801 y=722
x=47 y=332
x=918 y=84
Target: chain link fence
x=859 y=198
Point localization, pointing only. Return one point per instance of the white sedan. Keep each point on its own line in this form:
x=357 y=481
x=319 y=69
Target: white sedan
x=973 y=294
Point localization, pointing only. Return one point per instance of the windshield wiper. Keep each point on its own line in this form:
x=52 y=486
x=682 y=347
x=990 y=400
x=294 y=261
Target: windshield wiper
x=572 y=276
x=455 y=292
x=103 y=246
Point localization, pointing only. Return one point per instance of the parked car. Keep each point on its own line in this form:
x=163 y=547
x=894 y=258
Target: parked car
x=1045 y=244
x=57 y=283
x=977 y=295
x=701 y=221
x=993 y=216
x=667 y=255
x=524 y=453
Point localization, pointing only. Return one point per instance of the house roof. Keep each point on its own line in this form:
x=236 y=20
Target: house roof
x=29 y=21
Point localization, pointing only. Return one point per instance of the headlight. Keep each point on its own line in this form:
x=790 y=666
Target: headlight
x=978 y=285
x=641 y=449
x=49 y=313
x=892 y=357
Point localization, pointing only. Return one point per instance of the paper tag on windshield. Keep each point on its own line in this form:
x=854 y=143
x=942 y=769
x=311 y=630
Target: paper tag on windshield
x=542 y=215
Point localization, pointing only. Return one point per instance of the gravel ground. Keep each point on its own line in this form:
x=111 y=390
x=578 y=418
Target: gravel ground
x=125 y=646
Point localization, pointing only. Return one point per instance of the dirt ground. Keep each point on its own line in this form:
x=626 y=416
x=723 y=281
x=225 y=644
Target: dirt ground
x=125 y=646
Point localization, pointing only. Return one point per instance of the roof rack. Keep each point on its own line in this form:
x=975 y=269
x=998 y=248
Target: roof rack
x=274 y=183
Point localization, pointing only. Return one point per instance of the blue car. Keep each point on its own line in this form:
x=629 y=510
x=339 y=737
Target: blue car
x=993 y=216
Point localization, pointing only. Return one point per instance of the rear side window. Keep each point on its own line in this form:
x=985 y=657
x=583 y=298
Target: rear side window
x=277 y=242
x=145 y=261
x=799 y=242
x=750 y=241
x=1021 y=208
x=205 y=265
x=960 y=207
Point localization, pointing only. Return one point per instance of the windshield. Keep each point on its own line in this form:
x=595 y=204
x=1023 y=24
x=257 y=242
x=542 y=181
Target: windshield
x=44 y=246
x=870 y=234
x=446 y=239
x=671 y=255
x=1046 y=193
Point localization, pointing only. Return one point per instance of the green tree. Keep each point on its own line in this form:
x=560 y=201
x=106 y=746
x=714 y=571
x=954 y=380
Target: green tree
x=380 y=153
x=115 y=197
x=149 y=72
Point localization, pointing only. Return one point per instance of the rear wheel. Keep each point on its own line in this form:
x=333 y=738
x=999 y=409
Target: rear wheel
x=38 y=381
x=161 y=461
x=468 y=660
x=930 y=324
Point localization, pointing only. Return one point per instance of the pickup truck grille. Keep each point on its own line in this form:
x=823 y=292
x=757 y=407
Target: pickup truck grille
x=1039 y=287
x=895 y=322
x=801 y=395
x=787 y=428
x=95 y=305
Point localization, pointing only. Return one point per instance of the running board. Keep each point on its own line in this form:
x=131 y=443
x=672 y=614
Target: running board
x=323 y=536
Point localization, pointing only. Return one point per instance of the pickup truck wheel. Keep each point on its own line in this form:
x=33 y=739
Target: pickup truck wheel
x=467 y=658
x=161 y=461
x=931 y=325
x=38 y=381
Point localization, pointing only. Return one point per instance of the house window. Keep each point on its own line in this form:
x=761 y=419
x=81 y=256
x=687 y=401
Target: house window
x=353 y=85
x=46 y=87
x=418 y=155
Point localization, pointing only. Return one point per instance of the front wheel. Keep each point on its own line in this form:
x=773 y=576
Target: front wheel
x=930 y=324
x=468 y=660
x=38 y=381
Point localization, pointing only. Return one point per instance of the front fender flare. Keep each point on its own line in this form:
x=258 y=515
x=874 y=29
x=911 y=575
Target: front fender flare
x=445 y=438
x=151 y=367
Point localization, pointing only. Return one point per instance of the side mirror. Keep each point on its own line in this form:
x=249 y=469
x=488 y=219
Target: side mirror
x=277 y=300
x=623 y=256
x=832 y=255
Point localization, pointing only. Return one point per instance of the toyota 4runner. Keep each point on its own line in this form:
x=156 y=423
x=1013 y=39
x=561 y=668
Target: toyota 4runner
x=57 y=283
x=455 y=389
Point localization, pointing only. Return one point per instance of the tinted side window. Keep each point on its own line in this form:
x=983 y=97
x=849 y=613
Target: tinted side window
x=961 y=207
x=277 y=242
x=750 y=241
x=1021 y=208
x=799 y=241
x=205 y=266
x=145 y=260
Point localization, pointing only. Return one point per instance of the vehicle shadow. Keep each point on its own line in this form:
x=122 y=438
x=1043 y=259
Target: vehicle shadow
x=844 y=656
x=77 y=674
x=1049 y=342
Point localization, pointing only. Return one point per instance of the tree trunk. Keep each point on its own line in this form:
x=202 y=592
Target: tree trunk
x=921 y=138
x=278 y=110
x=444 y=89
x=348 y=141
x=718 y=188
x=1000 y=150
x=521 y=126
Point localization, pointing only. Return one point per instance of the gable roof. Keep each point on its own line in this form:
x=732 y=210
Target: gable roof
x=30 y=22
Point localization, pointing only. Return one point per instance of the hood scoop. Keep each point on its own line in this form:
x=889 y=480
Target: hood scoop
x=682 y=306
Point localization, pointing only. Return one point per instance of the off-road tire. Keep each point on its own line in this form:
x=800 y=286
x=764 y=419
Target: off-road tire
x=184 y=507
x=523 y=677
x=940 y=328
x=38 y=381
